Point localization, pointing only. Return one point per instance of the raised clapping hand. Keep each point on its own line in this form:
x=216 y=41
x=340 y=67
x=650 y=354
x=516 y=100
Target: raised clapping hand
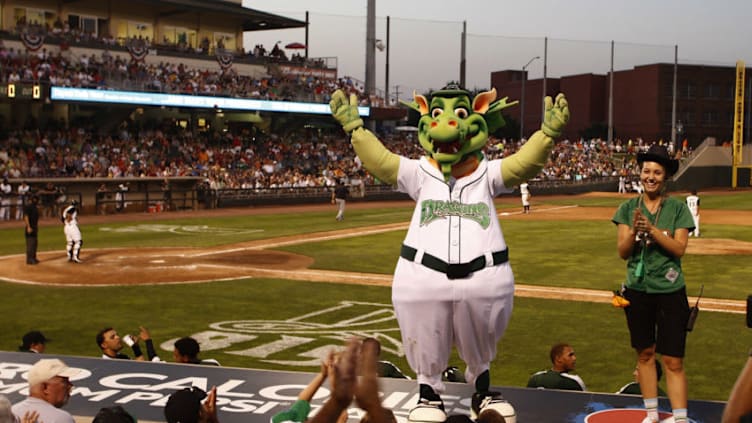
x=30 y=417
x=641 y=224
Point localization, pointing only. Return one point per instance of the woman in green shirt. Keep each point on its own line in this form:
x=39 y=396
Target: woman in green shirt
x=652 y=234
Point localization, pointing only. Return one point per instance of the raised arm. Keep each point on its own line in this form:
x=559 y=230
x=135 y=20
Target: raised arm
x=530 y=159
x=381 y=162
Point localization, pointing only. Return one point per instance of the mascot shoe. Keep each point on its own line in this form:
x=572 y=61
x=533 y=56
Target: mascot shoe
x=493 y=402
x=427 y=412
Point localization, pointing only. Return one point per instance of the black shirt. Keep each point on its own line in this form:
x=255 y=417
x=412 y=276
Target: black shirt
x=32 y=213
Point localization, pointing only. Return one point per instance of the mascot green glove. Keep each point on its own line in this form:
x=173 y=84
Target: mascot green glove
x=453 y=284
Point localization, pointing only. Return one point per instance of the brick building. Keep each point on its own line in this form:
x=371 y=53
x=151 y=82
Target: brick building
x=642 y=101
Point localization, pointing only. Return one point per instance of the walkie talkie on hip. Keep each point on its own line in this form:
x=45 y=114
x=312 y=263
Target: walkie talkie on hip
x=694 y=310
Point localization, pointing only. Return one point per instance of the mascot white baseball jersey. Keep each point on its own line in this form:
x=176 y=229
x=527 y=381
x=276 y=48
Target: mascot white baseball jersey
x=453 y=285
x=456 y=226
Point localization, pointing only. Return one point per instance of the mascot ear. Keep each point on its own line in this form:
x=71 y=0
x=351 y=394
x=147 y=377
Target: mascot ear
x=422 y=103
x=483 y=100
x=419 y=103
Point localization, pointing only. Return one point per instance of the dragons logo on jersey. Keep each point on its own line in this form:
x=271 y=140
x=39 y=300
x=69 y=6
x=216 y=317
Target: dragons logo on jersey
x=431 y=210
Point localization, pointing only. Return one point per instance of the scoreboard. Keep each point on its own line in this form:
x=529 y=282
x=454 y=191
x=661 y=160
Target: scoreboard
x=24 y=91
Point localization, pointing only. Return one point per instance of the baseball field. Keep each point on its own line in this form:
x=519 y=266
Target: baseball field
x=277 y=287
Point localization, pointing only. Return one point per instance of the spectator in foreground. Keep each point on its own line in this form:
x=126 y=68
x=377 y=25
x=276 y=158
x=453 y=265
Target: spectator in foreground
x=49 y=391
x=114 y=414
x=186 y=351
x=564 y=360
x=185 y=406
x=633 y=388
x=33 y=342
x=111 y=344
x=354 y=376
x=739 y=406
x=299 y=410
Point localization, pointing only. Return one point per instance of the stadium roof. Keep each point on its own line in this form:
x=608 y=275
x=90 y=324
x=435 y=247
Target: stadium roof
x=251 y=19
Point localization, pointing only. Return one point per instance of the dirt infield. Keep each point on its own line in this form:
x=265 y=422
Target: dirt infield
x=126 y=266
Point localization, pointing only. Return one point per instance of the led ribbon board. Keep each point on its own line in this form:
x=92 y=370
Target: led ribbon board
x=195 y=101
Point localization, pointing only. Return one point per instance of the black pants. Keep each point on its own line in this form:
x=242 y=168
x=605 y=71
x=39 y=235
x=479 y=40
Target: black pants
x=31 y=248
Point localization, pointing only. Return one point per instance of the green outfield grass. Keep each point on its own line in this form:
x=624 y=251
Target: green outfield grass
x=578 y=254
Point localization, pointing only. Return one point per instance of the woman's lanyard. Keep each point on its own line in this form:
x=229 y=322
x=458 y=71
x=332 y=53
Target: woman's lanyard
x=640 y=268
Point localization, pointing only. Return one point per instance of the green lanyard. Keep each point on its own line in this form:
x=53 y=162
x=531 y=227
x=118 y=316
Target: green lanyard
x=639 y=271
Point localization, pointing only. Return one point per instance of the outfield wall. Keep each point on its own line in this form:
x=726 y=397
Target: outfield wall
x=188 y=193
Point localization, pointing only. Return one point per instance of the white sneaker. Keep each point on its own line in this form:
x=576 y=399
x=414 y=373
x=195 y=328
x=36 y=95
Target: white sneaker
x=492 y=401
x=668 y=420
x=647 y=419
x=427 y=412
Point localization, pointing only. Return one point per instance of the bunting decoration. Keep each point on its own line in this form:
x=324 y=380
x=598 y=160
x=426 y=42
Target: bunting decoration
x=138 y=49
x=225 y=59
x=32 y=38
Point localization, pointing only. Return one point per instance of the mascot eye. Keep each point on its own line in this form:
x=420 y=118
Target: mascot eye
x=436 y=112
x=461 y=112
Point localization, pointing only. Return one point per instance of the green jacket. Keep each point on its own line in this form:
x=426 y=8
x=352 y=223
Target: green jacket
x=551 y=379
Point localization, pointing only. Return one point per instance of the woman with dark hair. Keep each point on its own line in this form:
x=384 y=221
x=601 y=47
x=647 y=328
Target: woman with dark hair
x=652 y=234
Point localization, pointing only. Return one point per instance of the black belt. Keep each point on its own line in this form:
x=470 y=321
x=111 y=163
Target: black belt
x=454 y=270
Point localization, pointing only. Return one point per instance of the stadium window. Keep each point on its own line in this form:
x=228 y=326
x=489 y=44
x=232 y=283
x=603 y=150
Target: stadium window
x=730 y=91
x=710 y=117
x=691 y=90
x=728 y=117
x=30 y=16
x=87 y=24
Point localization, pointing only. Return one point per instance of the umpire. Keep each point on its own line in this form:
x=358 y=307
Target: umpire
x=31 y=219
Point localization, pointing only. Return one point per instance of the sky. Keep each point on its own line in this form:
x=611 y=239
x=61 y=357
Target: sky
x=425 y=46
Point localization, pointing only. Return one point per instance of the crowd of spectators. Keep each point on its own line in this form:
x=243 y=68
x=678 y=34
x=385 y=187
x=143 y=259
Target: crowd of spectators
x=117 y=71
x=249 y=160
x=61 y=33
x=253 y=159
x=54 y=64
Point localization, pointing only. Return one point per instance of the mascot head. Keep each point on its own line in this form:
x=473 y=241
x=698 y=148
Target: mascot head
x=453 y=126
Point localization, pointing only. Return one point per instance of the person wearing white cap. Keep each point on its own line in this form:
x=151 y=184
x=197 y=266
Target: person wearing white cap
x=49 y=390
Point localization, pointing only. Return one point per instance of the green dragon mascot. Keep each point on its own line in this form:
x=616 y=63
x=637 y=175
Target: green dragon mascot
x=453 y=284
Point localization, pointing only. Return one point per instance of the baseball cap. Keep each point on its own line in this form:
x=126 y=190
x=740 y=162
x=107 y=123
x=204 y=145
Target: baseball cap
x=183 y=406
x=47 y=368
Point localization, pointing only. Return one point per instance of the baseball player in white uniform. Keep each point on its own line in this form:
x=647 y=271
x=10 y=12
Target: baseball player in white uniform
x=23 y=192
x=693 y=202
x=453 y=285
x=72 y=233
x=525 y=196
x=6 y=191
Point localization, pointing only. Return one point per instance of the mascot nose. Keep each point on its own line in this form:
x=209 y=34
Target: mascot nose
x=433 y=124
x=452 y=123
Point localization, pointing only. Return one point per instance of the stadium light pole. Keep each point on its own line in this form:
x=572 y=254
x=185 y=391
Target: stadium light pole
x=522 y=96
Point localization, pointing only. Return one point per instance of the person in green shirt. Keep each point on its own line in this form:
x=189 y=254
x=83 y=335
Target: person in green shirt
x=564 y=360
x=652 y=234
x=633 y=388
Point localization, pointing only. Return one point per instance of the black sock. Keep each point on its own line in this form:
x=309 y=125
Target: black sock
x=426 y=392
x=483 y=382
